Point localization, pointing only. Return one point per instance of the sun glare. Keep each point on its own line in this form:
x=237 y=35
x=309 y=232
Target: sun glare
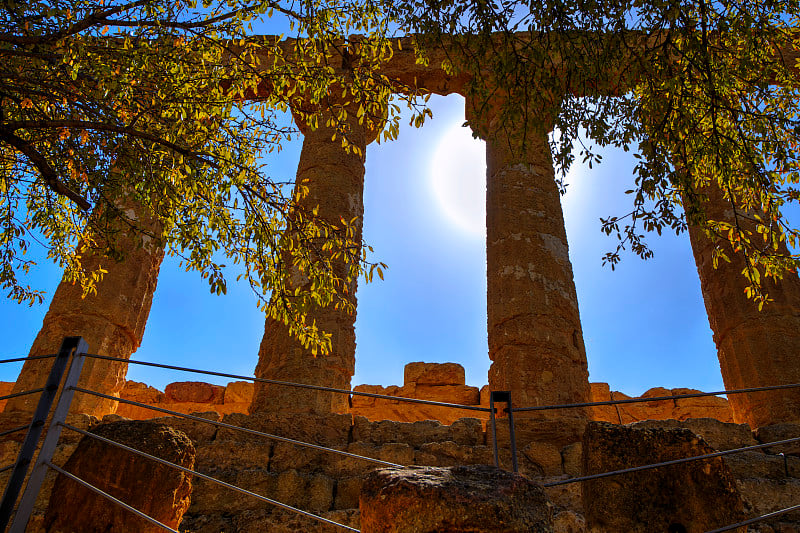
x=458 y=179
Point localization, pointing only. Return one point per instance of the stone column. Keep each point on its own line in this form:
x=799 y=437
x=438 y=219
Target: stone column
x=755 y=348
x=335 y=182
x=112 y=322
x=535 y=338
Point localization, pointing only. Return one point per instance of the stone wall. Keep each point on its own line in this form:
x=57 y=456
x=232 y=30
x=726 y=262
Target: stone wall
x=329 y=484
x=442 y=382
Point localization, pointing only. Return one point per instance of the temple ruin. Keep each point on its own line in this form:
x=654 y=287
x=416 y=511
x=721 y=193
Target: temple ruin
x=535 y=345
x=533 y=318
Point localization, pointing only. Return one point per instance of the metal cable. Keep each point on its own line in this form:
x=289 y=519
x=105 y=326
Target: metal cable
x=110 y=497
x=756 y=519
x=297 y=385
x=238 y=428
x=30 y=358
x=9 y=467
x=14 y=430
x=209 y=478
x=23 y=393
x=672 y=462
x=655 y=398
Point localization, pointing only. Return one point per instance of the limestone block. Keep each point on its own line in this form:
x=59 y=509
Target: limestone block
x=558 y=432
x=757 y=464
x=468 y=431
x=769 y=495
x=246 y=452
x=460 y=394
x=287 y=456
x=5 y=388
x=434 y=374
x=658 y=410
x=366 y=401
x=194 y=392
x=703 y=407
x=239 y=392
x=777 y=432
x=414 y=434
x=159 y=491
x=480 y=499
x=566 y=496
x=199 y=432
x=572 y=458
x=141 y=392
x=697 y=496
x=209 y=497
x=569 y=522
x=540 y=459
x=339 y=465
x=326 y=430
x=449 y=453
x=718 y=435
x=601 y=392
x=347 y=493
x=486 y=391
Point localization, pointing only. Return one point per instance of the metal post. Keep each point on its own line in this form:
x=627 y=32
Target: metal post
x=511 y=435
x=76 y=347
x=503 y=396
x=494 y=429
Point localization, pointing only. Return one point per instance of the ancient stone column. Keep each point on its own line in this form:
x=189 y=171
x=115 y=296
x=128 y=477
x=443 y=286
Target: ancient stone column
x=755 y=348
x=112 y=322
x=535 y=338
x=335 y=182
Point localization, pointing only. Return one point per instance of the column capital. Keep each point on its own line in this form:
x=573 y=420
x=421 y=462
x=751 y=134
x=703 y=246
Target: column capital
x=343 y=110
x=506 y=116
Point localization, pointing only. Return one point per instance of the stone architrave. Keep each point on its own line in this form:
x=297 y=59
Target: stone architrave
x=112 y=322
x=535 y=337
x=334 y=178
x=755 y=348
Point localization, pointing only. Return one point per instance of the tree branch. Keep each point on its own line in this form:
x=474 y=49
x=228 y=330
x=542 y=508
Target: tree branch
x=48 y=173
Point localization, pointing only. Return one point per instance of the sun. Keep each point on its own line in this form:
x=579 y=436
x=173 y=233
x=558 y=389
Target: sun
x=458 y=180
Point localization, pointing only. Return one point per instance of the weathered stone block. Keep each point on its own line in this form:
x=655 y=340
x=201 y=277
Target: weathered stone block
x=459 y=394
x=194 y=392
x=468 y=431
x=449 y=453
x=718 y=435
x=466 y=498
x=434 y=374
x=414 y=434
x=141 y=392
x=540 y=459
x=197 y=431
x=778 y=432
x=569 y=522
x=572 y=459
x=239 y=392
x=159 y=491
x=696 y=496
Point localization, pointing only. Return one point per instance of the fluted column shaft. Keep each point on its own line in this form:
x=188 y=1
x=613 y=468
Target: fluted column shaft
x=535 y=338
x=335 y=182
x=755 y=348
x=112 y=322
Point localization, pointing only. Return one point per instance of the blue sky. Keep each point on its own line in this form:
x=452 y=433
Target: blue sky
x=644 y=324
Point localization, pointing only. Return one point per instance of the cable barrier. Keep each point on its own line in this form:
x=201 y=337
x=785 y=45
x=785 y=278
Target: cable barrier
x=76 y=349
